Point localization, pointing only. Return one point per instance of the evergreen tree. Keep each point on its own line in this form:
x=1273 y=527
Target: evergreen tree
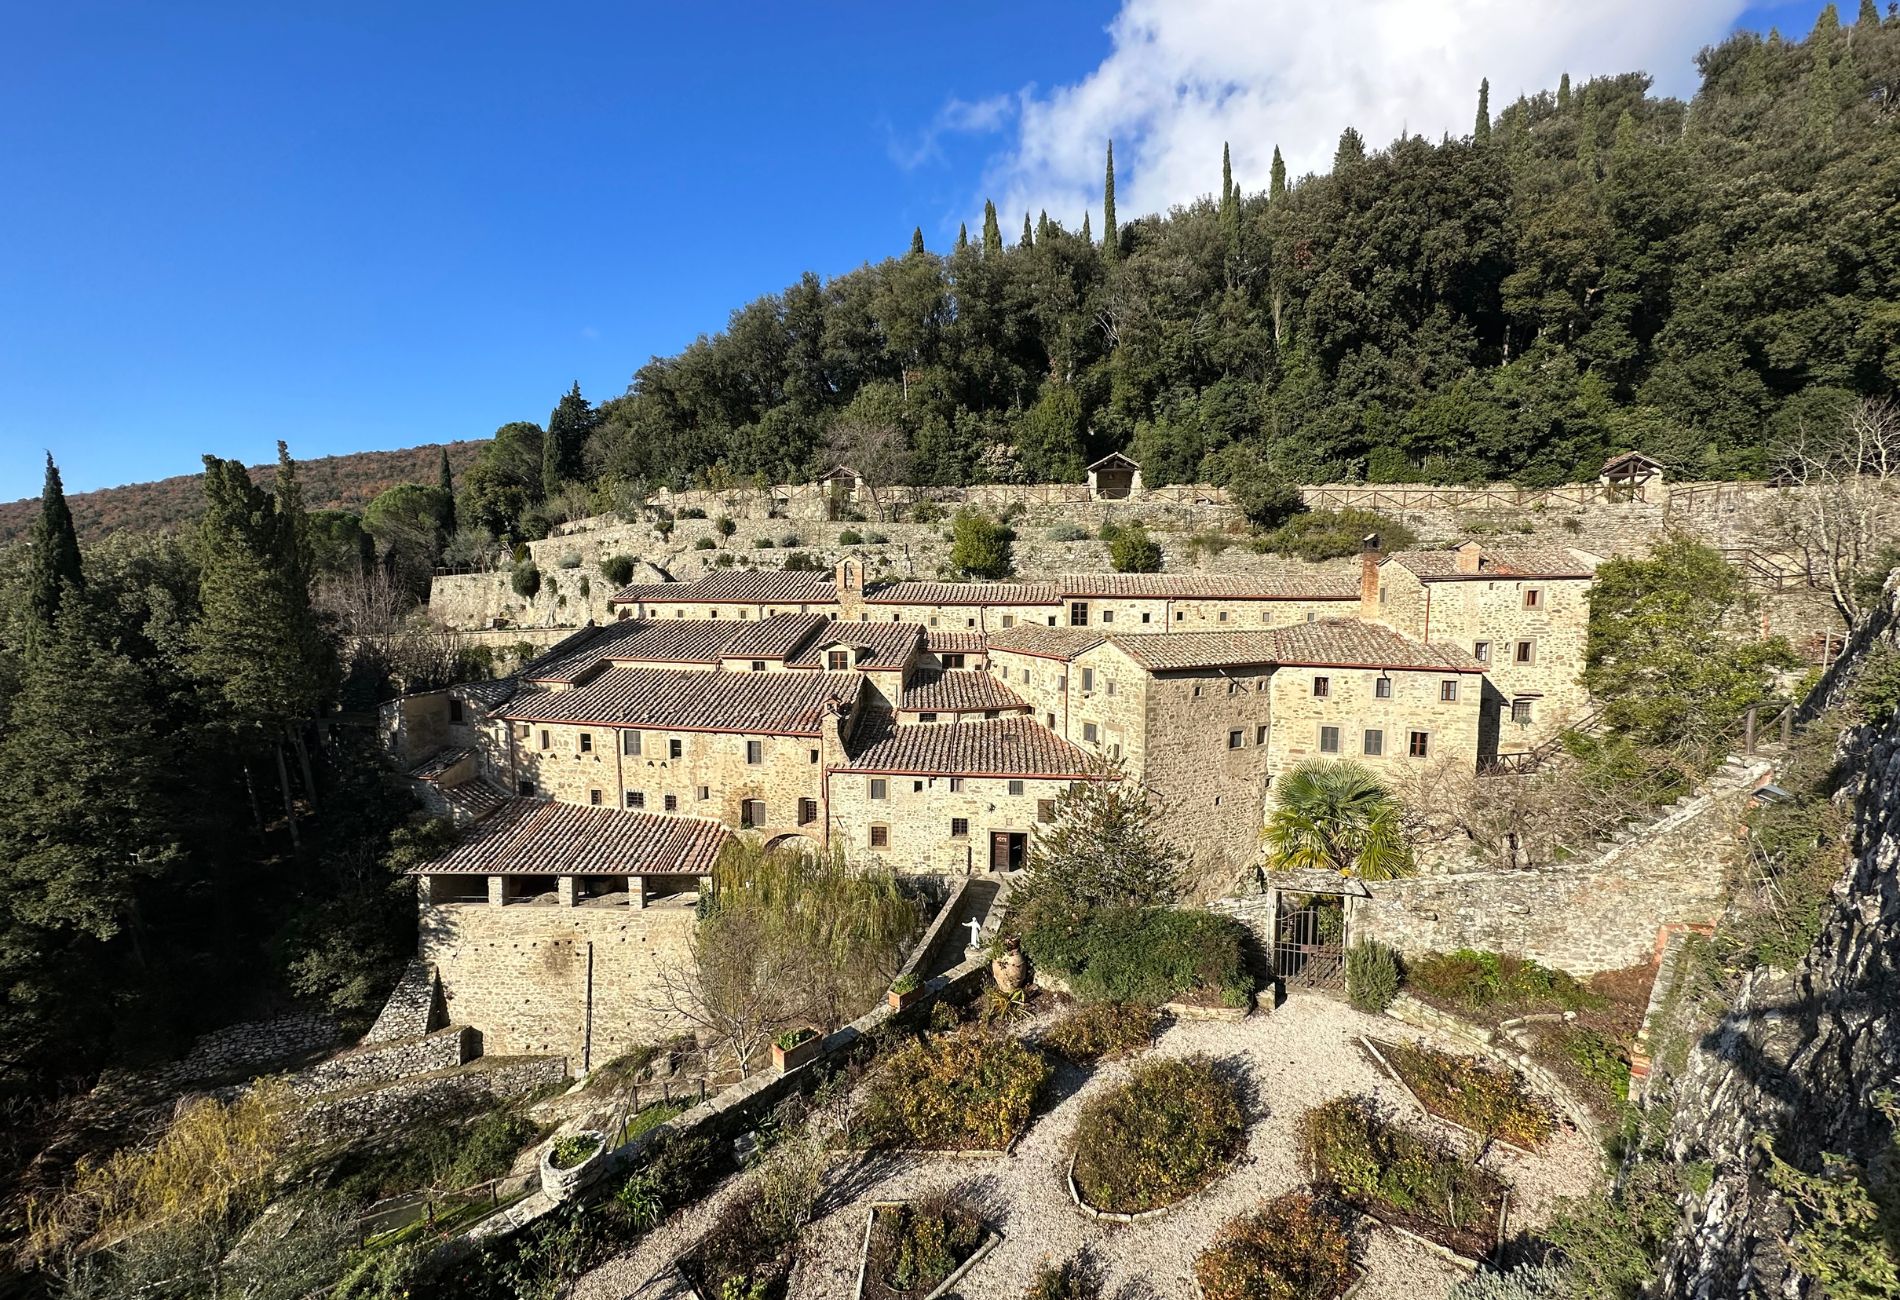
x=1277 y=185
x=299 y=551
x=568 y=429
x=1563 y=92
x=445 y=484
x=1028 y=240
x=916 y=246
x=1111 y=236
x=1087 y=238
x=1481 y=129
x=1869 y=16
x=54 y=554
x=992 y=230
x=1351 y=150
x=963 y=236
x=1229 y=204
x=1042 y=225
x=1587 y=139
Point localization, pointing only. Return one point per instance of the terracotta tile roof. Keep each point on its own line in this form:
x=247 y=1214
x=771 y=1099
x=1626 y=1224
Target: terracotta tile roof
x=488 y=694
x=1280 y=584
x=966 y=643
x=959 y=690
x=1544 y=562
x=891 y=645
x=777 y=637
x=1004 y=747
x=669 y=699
x=963 y=593
x=678 y=641
x=561 y=650
x=534 y=837
x=1349 y=643
x=478 y=797
x=1162 y=651
x=745 y=588
x=1046 y=642
x=432 y=767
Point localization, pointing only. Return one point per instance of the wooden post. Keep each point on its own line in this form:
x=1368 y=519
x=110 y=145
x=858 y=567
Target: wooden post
x=1748 y=731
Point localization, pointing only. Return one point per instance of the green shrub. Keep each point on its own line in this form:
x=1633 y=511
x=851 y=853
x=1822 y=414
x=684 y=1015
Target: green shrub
x=1099 y=1030
x=961 y=1091
x=1133 y=551
x=1291 y=1248
x=705 y=544
x=877 y=539
x=980 y=547
x=1383 y=1168
x=1485 y=1099
x=724 y=526
x=692 y=512
x=617 y=569
x=1611 y=1242
x=570 y=560
x=1073 y=1279
x=1471 y=980
x=1333 y=534
x=850 y=537
x=1372 y=975
x=1068 y=533
x=1161 y=1136
x=908 y=982
x=1601 y=1063
x=763 y=544
x=801 y=562
x=1525 y=1282
x=791 y=541
x=526 y=580
x=1151 y=954
x=913 y=1247
x=573 y=1149
x=725 y=561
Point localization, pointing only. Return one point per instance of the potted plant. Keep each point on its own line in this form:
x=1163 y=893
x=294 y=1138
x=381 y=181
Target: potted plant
x=572 y=1162
x=905 y=989
x=794 y=1048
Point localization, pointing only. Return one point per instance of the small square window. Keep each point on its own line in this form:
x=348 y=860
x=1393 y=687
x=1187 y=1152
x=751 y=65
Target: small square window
x=880 y=837
x=1179 y=615
x=1419 y=744
x=953 y=661
x=587 y=742
x=671 y=803
x=1260 y=734
x=1046 y=811
x=1322 y=687
x=1146 y=617
x=1089 y=732
x=593 y=798
x=926 y=717
x=880 y=788
x=702 y=793
x=636 y=798
x=758 y=665
x=813 y=755
x=525 y=789
x=1373 y=743
x=956 y=785
x=1520 y=710
x=1009 y=620
x=837 y=660
x=1015 y=787
x=1078 y=613
x=807 y=811
x=751 y=814
x=1481 y=651
x=630 y=743
x=1526 y=652
x=1382 y=688
x=1108 y=616
x=1448 y=692
x=1109 y=686
x=1533 y=598
x=754 y=752
x=675 y=747
x=1236 y=738
x=1223 y=616
x=916 y=787
x=959 y=828
x=1329 y=740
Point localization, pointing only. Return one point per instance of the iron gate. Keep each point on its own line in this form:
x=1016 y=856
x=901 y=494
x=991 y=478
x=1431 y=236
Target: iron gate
x=1309 y=941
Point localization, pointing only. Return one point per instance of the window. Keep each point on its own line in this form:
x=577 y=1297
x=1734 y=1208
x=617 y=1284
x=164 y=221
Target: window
x=544 y=737
x=1236 y=738
x=837 y=660
x=1382 y=688
x=671 y=803
x=1146 y=617
x=1373 y=743
x=593 y=798
x=916 y=787
x=1533 y=598
x=959 y=828
x=953 y=661
x=754 y=752
x=1088 y=680
x=1078 y=613
x=1009 y=620
x=630 y=743
x=1526 y=652
x=1322 y=687
x=675 y=747
x=1108 y=616
x=1481 y=651
x=587 y=742
x=751 y=813
x=1311 y=617
x=1179 y=615
x=807 y=811
x=457 y=715
x=1260 y=734
x=1089 y=733
x=926 y=717
x=1419 y=744
x=1520 y=711
x=1046 y=811
x=1015 y=787
x=880 y=788
x=1197 y=692
x=812 y=756
x=1109 y=685
x=1062 y=681
x=880 y=837
x=1448 y=692
x=1223 y=616
x=635 y=798
x=1329 y=740
x=525 y=789
x=956 y=785
x=758 y=665
x=702 y=792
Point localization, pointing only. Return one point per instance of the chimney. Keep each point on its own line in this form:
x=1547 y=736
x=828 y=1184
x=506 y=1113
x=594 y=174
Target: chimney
x=1370 y=556
x=848 y=578
x=1469 y=555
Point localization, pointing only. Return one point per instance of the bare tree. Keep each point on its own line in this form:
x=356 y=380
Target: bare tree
x=880 y=453
x=1842 y=506
x=1512 y=820
x=729 y=990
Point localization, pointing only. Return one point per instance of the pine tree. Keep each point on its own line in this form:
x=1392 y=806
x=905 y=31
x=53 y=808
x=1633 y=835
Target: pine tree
x=54 y=553
x=1111 y=237
x=1351 y=150
x=916 y=245
x=1277 y=185
x=1563 y=92
x=568 y=428
x=963 y=236
x=992 y=229
x=1029 y=239
x=1869 y=16
x=1481 y=129
x=445 y=481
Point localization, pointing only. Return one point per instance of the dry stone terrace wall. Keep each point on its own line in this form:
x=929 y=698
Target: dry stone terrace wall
x=380 y=1107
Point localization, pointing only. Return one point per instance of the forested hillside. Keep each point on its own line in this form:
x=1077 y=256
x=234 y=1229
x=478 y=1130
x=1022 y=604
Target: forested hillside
x=330 y=483
x=1592 y=269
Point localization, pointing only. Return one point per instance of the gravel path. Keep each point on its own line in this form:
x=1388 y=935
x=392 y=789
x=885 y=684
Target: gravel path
x=1300 y=1056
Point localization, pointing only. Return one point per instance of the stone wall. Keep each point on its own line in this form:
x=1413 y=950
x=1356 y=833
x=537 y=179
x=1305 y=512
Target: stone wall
x=920 y=821
x=380 y=1106
x=254 y=1047
x=388 y=1062
x=414 y=1008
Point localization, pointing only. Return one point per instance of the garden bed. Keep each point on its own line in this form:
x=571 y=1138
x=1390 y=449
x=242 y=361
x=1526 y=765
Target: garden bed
x=1487 y=1101
x=919 y=1250
x=963 y=1091
x=1293 y=1245
x=1102 y=1031
x=1406 y=1179
x=1141 y=1148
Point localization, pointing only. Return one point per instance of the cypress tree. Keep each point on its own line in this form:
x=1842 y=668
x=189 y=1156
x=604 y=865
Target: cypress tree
x=1587 y=140
x=1042 y=225
x=1029 y=240
x=1229 y=204
x=1869 y=16
x=55 y=552
x=1087 y=238
x=1276 y=189
x=1563 y=92
x=1226 y=178
x=445 y=480
x=992 y=229
x=916 y=245
x=1481 y=129
x=963 y=236
x=1111 y=237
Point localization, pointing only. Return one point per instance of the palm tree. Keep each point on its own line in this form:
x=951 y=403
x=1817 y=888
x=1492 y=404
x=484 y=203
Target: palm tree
x=1337 y=817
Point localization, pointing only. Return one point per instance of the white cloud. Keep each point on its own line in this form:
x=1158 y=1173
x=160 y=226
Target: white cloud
x=958 y=116
x=1184 y=75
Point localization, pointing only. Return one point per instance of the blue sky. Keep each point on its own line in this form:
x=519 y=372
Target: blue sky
x=366 y=225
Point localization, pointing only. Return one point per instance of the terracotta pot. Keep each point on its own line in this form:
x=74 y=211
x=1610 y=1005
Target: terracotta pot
x=1011 y=970
x=898 y=1001
x=798 y=1054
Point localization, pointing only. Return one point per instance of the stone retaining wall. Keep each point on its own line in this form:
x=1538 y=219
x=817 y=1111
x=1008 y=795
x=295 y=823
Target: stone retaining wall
x=1506 y=1045
x=484 y=1083
x=389 y=1062
x=414 y=1007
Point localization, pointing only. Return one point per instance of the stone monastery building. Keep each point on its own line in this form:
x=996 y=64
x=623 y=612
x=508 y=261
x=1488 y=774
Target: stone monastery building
x=931 y=726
